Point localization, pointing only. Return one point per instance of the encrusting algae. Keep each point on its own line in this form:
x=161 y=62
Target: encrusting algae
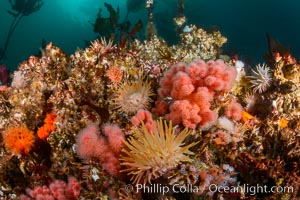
x=175 y=116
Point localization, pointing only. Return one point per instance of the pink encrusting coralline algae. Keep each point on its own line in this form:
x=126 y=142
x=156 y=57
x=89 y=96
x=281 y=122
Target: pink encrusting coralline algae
x=192 y=87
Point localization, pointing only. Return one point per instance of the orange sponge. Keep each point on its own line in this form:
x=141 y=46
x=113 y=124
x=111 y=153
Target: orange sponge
x=44 y=131
x=19 y=140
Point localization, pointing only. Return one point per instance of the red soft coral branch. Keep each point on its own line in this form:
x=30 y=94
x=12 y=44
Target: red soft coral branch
x=192 y=87
x=56 y=190
x=103 y=147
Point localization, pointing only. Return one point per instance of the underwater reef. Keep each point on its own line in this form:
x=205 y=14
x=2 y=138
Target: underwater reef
x=151 y=121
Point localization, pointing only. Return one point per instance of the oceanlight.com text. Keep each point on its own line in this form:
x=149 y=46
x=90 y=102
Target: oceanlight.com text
x=251 y=189
x=213 y=188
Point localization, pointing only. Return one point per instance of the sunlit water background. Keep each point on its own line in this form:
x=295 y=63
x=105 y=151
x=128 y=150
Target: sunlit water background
x=67 y=23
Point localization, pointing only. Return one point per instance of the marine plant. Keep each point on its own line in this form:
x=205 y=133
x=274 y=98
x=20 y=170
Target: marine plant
x=20 y=8
x=112 y=27
x=4 y=74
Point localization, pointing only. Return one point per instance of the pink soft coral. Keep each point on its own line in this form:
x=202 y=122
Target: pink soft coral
x=192 y=88
x=87 y=141
x=234 y=111
x=161 y=108
x=143 y=116
x=57 y=190
x=185 y=112
x=103 y=148
x=115 y=137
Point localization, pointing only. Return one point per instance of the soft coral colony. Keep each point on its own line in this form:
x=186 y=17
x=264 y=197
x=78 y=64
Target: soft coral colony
x=85 y=125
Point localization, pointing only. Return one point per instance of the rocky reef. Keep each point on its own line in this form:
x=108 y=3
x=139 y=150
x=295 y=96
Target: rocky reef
x=151 y=121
